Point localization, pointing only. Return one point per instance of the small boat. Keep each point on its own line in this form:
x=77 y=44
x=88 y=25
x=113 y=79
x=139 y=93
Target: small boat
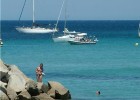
x=82 y=39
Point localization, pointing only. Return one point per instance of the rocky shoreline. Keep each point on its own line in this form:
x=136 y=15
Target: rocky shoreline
x=15 y=85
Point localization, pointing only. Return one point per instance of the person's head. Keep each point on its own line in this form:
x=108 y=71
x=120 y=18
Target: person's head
x=98 y=92
x=41 y=66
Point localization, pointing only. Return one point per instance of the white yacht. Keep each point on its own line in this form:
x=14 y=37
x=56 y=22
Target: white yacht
x=34 y=29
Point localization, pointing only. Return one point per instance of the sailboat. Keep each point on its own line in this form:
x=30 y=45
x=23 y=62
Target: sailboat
x=68 y=35
x=139 y=30
x=34 y=28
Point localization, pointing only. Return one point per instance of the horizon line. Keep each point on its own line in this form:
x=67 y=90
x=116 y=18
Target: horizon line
x=79 y=20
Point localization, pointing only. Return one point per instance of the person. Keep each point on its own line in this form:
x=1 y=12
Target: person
x=98 y=92
x=39 y=72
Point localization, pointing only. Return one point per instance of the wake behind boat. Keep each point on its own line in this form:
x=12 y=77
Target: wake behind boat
x=33 y=28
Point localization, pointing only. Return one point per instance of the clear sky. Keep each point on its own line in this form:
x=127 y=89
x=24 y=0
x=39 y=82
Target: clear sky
x=76 y=9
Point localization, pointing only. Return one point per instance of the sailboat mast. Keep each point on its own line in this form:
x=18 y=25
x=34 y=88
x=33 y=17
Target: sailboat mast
x=65 y=17
x=33 y=12
x=139 y=28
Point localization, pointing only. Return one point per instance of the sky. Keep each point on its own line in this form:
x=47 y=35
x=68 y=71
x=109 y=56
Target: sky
x=76 y=9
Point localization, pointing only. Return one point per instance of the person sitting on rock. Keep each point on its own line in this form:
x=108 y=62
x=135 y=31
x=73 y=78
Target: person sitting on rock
x=39 y=72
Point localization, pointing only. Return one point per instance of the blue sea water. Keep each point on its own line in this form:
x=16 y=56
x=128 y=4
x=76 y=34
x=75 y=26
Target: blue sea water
x=111 y=66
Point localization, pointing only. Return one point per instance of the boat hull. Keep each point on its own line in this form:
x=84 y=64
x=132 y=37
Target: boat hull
x=65 y=38
x=80 y=43
x=35 y=30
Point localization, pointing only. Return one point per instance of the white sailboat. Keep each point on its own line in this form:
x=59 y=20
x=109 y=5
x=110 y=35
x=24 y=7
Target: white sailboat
x=68 y=35
x=139 y=30
x=34 y=28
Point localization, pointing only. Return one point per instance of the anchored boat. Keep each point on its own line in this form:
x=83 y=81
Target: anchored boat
x=34 y=28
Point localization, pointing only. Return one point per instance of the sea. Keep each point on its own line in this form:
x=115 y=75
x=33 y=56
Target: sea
x=111 y=66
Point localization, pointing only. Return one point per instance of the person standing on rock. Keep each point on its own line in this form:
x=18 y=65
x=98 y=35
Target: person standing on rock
x=39 y=72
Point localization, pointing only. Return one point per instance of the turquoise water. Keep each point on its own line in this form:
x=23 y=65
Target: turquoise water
x=111 y=66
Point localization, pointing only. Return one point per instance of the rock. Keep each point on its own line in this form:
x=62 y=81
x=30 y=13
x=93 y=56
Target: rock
x=16 y=82
x=2 y=84
x=31 y=87
x=15 y=85
x=24 y=95
x=11 y=94
x=42 y=96
x=43 y=88
x=17 y=79
x=60 y=91
x=62 y=96
x=3 y=70
x=51 y=92
x=14 y=70
x=3 y=95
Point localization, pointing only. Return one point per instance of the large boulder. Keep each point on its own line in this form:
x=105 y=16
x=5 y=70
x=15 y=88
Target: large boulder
x=24 y=95
x=17 y=79
x=15 y=70
x=15 y=85
x=3 y=69
x=11 y=94
x=43 y=88
x=16 y=82
x=60 y=91
x=3 y=93
x=31 y=87
x=42 y=96
x=51 y=92
x=2 y=84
